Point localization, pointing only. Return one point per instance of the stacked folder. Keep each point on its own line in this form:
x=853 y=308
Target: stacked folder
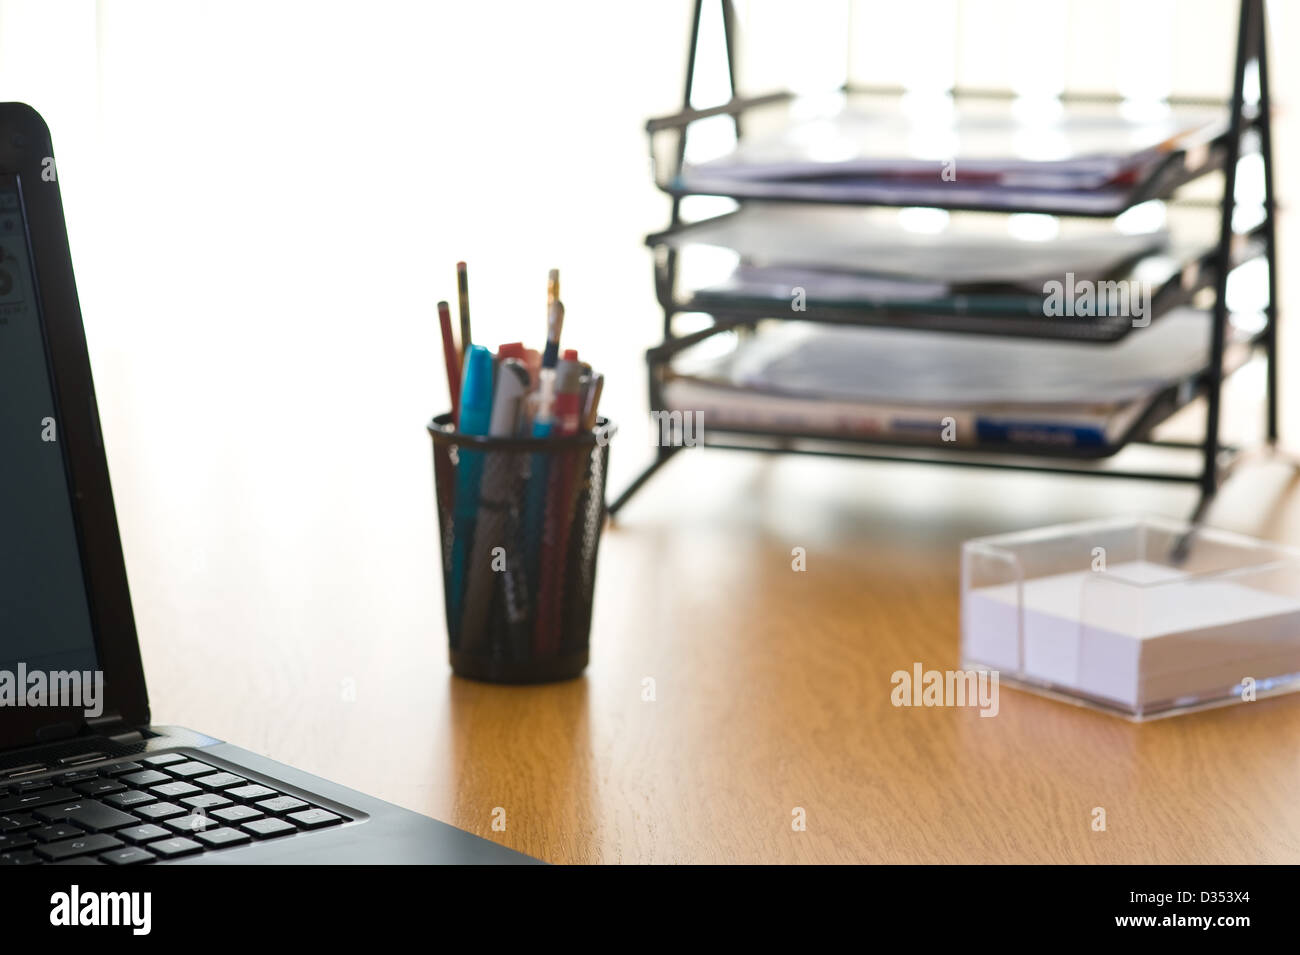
x=924 y=151
x=876 y=235
x=916 y=386
x=930 y=262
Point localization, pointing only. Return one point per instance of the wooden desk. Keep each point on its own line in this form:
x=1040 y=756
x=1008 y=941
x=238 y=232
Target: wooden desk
x=772 y=688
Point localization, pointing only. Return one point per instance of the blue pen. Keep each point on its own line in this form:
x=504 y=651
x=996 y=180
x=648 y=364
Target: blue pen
x=538 y=476
x=475 y=418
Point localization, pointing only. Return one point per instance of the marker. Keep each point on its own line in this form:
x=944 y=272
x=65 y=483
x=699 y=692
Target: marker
x=531 y=357
x=497 y=495
x=475 y=419
x=511 y=389
x=555 y=535
x=568 y=396
x=515 y=350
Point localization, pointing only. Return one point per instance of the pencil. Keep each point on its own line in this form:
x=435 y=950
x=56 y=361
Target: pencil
x=462 y=287
x=451 y=357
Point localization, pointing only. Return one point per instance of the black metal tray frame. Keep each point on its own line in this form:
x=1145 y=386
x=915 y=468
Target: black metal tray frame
x=1171 y=174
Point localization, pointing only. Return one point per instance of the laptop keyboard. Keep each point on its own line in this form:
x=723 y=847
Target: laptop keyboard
x=156 y=808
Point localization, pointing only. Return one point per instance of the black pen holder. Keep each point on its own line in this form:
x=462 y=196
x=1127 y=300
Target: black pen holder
x=520 y=522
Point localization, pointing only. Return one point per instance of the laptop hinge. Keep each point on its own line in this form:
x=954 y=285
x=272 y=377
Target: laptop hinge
x=112 y=726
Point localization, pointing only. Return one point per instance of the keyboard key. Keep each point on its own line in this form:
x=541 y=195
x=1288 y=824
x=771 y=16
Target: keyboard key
x=24 y=857
x=17 y=822
x=76 y=776
x=315 y=818
x=131 y=855
x=21 y=772
x=192 y=822
x=88 y=815
x=269 y=828
x=117 y=769
x=221 y=780
x=162 y=759
x=174 y=789
x=81 y=758
x=174 y=847
x=81 y=846
x=282 y=804
x=31 y=786
x=146 y=833
x=100 y=787
x=237 y=814
x=54 y=833
x=206 y=801
x=250 y=793
x=159 y=810
x=130 y=798
x=15 y=774
x=146 y=778
x=222 y=837
x=190 y=768
x=29 y=801
x=16 y=840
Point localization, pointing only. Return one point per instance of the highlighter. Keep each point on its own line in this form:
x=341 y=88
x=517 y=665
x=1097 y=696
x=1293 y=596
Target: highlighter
x=475 y=419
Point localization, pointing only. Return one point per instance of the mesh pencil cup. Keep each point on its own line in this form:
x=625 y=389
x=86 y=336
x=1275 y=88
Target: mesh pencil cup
x=520 y=522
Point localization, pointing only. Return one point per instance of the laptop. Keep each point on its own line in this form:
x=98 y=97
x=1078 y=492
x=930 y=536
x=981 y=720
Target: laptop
x=85 y=779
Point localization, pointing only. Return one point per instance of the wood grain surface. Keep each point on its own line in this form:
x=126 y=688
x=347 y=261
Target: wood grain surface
x=771 y=686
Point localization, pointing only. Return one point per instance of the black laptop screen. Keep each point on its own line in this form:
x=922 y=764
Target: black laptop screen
x=44 y=612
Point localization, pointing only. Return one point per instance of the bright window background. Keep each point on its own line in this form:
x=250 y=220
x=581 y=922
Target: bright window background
x=265 y=200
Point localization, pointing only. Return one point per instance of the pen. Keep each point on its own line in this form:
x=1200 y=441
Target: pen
x=543 y=414
x=475 y=419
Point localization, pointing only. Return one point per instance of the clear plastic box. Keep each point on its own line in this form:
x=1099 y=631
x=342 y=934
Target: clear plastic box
x=1143 y=617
